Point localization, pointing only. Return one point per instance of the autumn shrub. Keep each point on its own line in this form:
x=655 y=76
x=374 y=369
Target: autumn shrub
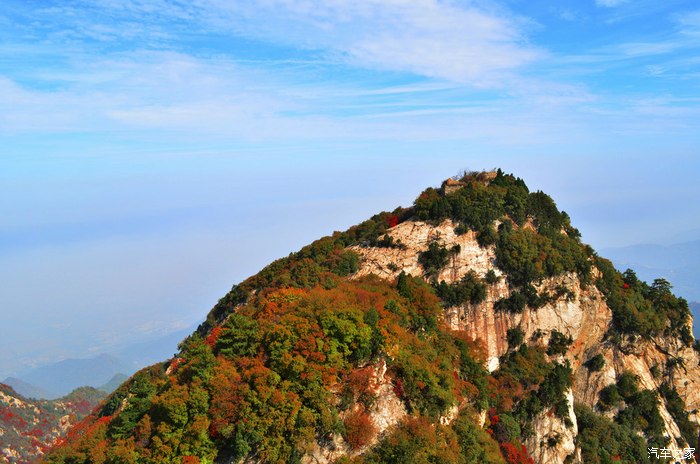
x=469 y=289
x=515 y=338
x=516 y=453
x=360 y=383
x=416 y=440
x=642 y=309
x=359 y=429
x=678 y=409
x=434 y=259
x=595 y=363
x=527 y=384
x=603 y=441
x=558 y=343
x=638 y=409
x=476 y=445
x=514 y=303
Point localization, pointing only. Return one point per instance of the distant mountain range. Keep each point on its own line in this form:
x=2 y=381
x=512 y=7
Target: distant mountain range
x=104 y=372
x=28 y=390
x=148 y=352
x=58 y=379
x=114 y=383
x=678 y=263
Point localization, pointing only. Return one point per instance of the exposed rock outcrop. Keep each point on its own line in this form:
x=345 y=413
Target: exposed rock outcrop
x=580 y=313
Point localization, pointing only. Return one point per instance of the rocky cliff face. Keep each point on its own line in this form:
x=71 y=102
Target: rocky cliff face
x=581 y=313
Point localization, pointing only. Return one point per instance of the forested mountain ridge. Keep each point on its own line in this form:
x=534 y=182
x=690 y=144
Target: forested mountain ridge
x=472 y=327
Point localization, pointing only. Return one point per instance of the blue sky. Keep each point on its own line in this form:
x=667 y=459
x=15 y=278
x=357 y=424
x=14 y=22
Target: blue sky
x=155 y=152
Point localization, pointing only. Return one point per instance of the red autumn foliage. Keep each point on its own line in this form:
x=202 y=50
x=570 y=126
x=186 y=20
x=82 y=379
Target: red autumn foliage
x=509 y=391
x=515 y=454
x=392 y=220
x=228 y=392
x=211 y=338
x=104 y=420
x=493 y=417
x=359 y=429
x=398 y=388
x=190 y=460
x=626 y=286
x=175 y=363
x=35 y=432
x=82 y=406
x=361 y=380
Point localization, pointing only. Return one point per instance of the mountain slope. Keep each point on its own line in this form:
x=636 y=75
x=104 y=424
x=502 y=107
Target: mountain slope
x=473 y=327
x=29 y=427
x=679 y=263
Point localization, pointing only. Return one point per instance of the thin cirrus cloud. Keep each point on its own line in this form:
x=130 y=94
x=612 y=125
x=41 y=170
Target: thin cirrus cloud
x=139 y=90
x=462 y=43
x=106 y=81
x=221 y=99
x=429 y=38
x=610 y=3
x=690 y=23
x=452 y=57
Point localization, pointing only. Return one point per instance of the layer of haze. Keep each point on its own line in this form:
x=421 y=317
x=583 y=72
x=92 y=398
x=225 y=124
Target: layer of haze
x=155 y=152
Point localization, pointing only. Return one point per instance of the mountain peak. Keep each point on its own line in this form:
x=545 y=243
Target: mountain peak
x=473 y=326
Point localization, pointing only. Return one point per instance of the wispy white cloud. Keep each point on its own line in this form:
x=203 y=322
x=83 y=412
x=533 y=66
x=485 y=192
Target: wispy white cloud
x=568 y=15
x=690 y=23
x=141 y=90
x=639 y=49
x=473 y=61
x=610 y=3
x=674 y=48
x=459 y=42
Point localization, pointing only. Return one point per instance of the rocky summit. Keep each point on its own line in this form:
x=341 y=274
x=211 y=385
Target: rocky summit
x=471 y=327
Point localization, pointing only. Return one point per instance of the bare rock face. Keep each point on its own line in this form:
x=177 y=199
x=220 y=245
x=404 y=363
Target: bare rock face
x=553 y=439
x=388 y=409
x=415 y=236
x=581 y=314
